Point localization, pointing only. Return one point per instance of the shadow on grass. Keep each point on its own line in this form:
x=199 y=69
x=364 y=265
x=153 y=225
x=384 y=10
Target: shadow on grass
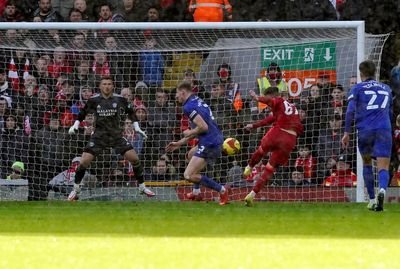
x=176 y=219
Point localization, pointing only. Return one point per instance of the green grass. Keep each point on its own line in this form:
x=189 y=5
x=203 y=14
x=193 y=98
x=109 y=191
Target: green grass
x=197 y=235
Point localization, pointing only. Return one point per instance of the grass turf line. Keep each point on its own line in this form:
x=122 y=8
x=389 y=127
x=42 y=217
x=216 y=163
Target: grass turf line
x=196 y=235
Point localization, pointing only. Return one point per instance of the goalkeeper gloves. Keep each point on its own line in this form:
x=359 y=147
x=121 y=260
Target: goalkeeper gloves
x=137 y=129
x=74 y=127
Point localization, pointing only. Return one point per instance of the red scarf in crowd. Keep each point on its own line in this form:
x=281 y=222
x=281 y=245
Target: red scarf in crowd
x=103 y=70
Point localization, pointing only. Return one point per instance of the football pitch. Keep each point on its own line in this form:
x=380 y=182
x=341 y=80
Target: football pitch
x=197 y=235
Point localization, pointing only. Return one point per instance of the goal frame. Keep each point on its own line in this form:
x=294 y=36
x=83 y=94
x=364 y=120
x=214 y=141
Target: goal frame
x=359 y=26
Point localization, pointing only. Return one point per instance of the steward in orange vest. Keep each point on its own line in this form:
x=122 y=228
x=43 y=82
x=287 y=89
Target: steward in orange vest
x=210 y=10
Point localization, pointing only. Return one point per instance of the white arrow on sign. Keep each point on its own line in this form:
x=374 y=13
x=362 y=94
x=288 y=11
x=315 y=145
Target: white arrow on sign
x=327 y=56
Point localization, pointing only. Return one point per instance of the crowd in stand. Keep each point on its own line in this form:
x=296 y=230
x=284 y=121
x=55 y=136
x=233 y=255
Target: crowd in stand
x=43 y=89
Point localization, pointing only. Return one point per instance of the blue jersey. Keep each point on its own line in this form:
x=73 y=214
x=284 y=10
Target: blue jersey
x=370 y=103
x=195 y=106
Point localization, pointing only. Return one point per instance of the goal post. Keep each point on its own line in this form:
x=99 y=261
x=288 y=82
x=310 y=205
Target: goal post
x=52 y=68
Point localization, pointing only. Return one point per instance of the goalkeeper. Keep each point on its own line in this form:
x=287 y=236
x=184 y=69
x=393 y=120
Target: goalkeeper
x=109 y=110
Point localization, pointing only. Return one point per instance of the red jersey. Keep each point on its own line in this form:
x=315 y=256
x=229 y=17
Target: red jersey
x=344 y=178
x=284 y=114
x=309 y=164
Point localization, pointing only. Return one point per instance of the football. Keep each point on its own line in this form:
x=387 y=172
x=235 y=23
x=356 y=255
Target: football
x=231 y=146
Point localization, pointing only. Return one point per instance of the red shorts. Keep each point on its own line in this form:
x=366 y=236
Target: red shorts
x=280 y=144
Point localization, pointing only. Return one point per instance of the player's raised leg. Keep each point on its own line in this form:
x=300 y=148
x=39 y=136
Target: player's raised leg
x=192 y=174
x=255 y=159
x=86 y=159
x=132 y=157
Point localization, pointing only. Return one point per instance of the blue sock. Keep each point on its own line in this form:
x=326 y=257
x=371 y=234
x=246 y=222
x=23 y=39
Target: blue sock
x=209 y=183
x=383 y=179
x=369 y=181
x=196 y=186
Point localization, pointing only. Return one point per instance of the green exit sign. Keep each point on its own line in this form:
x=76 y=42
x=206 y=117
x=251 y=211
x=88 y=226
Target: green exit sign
x=305 y=56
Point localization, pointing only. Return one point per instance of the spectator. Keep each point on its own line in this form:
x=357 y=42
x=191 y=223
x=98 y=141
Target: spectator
x=343 y=176
x=60 y=63
x=106 y=15
x=5 y=88
x=311 y=102
x=42 y=74
x=50 y=154
x=124 y=66
x=75 y=15
x=67 y=178
x=127 y=94
x=101 y=66
x=160 y=172
x=47 y=13
x=153 y=14
x=210 y=10
x=297 y=178
x=78 y=48
x=329 y=140
x=161 y=119
x=82 y=76
x=63 y=7
x=306 y=160
x=141 y=94
x=3 y=112
x=17 y=171
x=11 y=13
x=271 y=77
x=39 y=107
x=232 y=89
x=151 y=63
x=87 y=15
x=337 y=103
x=14 y=144
x=18 y=68
x=132 y=10
x=223 y=112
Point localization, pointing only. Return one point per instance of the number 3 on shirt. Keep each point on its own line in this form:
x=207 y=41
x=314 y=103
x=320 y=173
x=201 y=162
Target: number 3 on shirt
x=371 y=102
x=290 y=109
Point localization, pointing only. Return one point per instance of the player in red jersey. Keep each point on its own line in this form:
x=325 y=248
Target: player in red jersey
x=280 y=140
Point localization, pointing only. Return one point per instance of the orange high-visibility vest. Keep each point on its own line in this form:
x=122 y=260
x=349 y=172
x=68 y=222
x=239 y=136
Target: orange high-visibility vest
x=209 y=10
x=263 y=84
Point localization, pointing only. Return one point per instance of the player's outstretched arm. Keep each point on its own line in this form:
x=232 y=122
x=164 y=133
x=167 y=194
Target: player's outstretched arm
x=176 y=145
x=264 y=122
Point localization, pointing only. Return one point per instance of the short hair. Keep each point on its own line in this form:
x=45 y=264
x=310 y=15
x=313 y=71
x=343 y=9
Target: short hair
x=74 y=10
x=106 y=78
x=185 y=85
x=367 y=68
x=272 y=90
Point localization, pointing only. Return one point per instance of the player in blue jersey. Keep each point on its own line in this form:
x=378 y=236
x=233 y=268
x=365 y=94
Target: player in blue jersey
x=370 y=105
x=210 y=139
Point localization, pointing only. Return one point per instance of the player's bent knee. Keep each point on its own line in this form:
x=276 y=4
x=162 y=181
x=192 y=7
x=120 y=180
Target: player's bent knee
x=188 y=176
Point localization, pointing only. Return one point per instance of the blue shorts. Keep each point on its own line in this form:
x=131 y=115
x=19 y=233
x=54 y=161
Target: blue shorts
x=210 y=154
x=376 y=143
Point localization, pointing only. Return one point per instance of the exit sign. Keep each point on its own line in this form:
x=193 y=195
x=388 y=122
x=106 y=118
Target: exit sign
x=305 y=56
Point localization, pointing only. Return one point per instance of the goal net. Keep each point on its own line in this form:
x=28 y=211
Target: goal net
x=48 y=71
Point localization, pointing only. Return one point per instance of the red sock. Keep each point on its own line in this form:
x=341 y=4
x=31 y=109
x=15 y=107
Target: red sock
x=266 y=175
x=256 y=157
